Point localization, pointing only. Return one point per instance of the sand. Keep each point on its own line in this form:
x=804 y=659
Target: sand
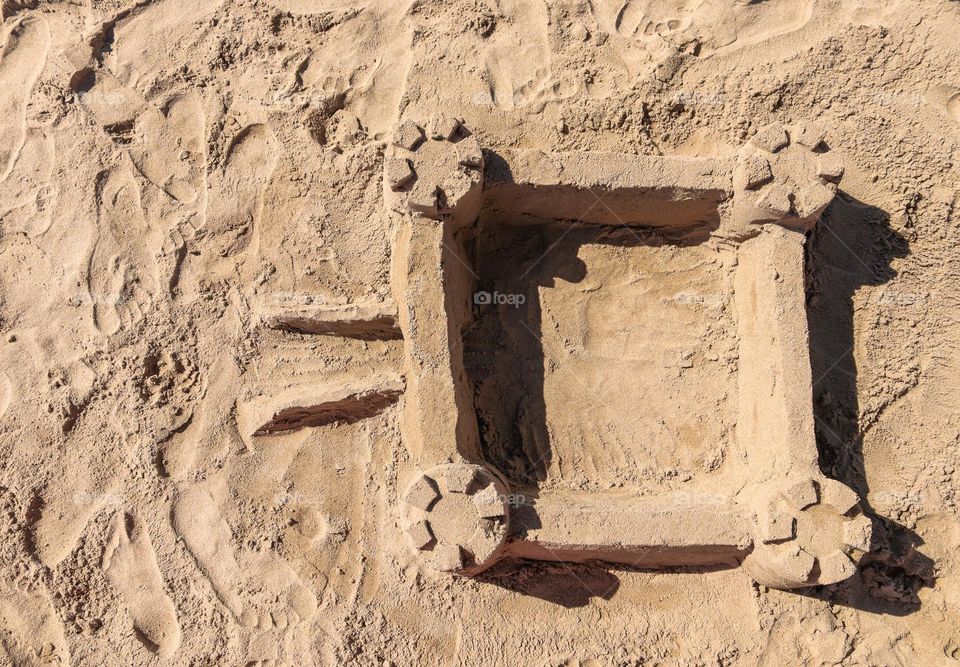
x=502 y=332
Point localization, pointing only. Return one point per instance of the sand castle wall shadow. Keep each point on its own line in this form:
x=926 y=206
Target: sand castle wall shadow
x=852 y=247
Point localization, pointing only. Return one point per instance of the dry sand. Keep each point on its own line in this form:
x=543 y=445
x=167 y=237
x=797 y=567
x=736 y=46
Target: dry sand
x=267 y=351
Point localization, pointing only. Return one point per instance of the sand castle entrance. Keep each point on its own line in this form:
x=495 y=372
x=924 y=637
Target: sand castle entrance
x=701 y=383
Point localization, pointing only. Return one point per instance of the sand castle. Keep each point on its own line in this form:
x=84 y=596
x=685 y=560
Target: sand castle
x=775 y=513
x=786 y=524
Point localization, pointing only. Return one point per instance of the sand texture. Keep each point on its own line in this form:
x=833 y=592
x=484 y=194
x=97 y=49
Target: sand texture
x=575 y=333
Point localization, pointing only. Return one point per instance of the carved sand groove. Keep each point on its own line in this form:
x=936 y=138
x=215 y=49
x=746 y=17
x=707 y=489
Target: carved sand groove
x=304 y=406
x=360 y=321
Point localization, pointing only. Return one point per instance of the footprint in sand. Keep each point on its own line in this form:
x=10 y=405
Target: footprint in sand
x=171 y=385
x=27 y=197
x=660 y=28
x=236 y=196
x=518 y=62
x=6 y=393
x=30 y=631
x=170 y=150
x=147 y=35
x=946 y=98
x=67 y=510
x=510 y=86
x=131 y=566
x=24 y=56
x=633 y=19
x=210 y=409
x=701 y=27
x=122 y=268
x=260 y=589
x=87 y=481
x=166 y=144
